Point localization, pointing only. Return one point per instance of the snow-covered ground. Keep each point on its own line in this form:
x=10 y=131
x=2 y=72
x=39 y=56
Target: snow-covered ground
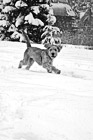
x=35 y=105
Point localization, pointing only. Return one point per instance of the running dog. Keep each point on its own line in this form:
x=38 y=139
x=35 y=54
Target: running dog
x=43 y=57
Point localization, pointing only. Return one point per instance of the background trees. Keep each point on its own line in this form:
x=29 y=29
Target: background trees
x=32 y=15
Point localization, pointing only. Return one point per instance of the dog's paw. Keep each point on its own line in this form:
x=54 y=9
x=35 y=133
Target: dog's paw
x=49 y=71
x=19 y=67
x=27 y=68
x=20 y=64
x=58 y=71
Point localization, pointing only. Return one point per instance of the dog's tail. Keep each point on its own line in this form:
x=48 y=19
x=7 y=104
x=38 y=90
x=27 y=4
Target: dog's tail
x=27 y=39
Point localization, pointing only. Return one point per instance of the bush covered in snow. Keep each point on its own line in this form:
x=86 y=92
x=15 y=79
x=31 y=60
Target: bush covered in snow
x=32 y=15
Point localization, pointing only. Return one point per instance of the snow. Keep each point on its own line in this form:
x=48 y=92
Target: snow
x=36 y=105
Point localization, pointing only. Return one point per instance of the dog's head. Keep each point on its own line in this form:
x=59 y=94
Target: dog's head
x=58 y=46
x=52 y=51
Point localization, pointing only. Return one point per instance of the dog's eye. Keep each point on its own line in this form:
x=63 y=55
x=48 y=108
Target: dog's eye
x=50 y=49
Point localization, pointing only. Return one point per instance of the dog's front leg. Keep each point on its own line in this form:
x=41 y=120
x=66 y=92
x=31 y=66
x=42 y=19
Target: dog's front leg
x=47 y=67
x=57 y=71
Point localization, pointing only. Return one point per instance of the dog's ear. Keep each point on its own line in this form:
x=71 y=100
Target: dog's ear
x=59 y=47
x=47 y=45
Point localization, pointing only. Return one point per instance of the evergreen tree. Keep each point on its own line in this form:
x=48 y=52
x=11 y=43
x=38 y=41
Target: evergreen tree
x=34 y=16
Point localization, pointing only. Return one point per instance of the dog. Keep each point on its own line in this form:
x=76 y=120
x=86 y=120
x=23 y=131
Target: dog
x=43 y=57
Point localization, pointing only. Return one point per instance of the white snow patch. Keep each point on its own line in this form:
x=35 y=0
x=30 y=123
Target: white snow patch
x=35 y=105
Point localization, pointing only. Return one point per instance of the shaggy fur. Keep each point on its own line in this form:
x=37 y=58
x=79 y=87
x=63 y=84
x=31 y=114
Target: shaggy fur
x=43 y=57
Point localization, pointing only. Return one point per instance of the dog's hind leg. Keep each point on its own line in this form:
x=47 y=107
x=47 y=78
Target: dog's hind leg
x=30 y=63
x=24 y=61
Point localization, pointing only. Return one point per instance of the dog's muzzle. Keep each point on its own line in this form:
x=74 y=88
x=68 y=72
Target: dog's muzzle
x=53 y=55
